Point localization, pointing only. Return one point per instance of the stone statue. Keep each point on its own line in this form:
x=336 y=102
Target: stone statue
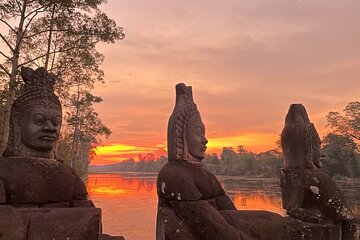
x=309 y=194
x=35 y=117
x=299 y=140
x=192 y=203
x=45 y=198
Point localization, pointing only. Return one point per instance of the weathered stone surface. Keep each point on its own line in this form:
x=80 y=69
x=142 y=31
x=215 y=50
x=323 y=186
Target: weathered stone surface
x=300 y=141
x=12 y=226
x=25 y=205
x=36 y=180
x=317 y=207
x=170 y=226
x=262 y=225
x=2 y=193
x=313 y=189
x=56 y=205
x=300 y=230
x=82 y=203
x=108 y=237
x=64 y=223
x=351 y=230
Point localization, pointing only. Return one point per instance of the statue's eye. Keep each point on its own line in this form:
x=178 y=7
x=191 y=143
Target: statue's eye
x=56 y=121
x=39 y=119
x=199 y=131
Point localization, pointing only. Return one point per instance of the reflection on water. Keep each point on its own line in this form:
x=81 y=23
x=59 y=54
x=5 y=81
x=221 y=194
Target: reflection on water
x=251 y=194
x=128 y=203
x=259 y=201
x=129 y=200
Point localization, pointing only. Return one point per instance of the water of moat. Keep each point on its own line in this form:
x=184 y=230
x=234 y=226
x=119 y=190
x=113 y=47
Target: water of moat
x=129 y=200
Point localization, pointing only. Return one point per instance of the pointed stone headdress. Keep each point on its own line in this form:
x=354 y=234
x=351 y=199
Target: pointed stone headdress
x=185 y=109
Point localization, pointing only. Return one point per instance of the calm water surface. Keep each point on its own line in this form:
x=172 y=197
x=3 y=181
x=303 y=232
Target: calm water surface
x=129 y=200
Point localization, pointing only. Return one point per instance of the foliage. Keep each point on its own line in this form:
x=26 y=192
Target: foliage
x=341 y=146
x=60 y=35
x=341 y=156
x=130 y=165
x=269 y=163
x=240 y=163
x=348 y=124
x=83 y=131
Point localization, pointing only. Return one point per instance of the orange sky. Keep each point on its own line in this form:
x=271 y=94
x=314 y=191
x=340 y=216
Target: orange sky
x=246 y=60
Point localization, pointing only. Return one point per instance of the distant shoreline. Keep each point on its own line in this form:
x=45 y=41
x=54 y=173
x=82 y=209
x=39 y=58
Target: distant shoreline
x=222 y=177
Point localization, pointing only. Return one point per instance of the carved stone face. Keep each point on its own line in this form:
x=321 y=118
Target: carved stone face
x=40 y=128
x=195 y=139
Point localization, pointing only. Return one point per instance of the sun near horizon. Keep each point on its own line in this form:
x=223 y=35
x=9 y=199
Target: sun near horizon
x=116 y=153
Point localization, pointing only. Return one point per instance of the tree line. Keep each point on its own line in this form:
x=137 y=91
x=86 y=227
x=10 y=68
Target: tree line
x=340 y=147
x=61 y=36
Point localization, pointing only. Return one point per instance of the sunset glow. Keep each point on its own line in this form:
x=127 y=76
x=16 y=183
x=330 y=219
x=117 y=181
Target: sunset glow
x=117 y=153
x=107 y=190
x=247 y=61
x=119 y=187
x=251 y=142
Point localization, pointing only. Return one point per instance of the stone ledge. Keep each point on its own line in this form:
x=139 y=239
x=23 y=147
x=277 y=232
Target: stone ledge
x=299 y=230
x=50 y=223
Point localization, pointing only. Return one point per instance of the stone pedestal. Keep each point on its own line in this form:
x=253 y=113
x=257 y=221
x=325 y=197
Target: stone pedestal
x=50 y=223
x=315 y=191
x=108 y=237
x=317 y=208
x=12 y=225
x=300 y=230
x=170 y=226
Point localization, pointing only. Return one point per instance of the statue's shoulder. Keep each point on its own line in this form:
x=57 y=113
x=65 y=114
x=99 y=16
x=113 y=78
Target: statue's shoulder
x=176 y=182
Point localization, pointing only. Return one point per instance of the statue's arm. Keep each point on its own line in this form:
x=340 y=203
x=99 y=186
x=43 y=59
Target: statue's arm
x=206 y=221
x=223 y=202
x=80 y=191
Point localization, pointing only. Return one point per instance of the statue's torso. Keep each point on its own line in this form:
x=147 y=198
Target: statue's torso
x=183 y=181
x=38 y=181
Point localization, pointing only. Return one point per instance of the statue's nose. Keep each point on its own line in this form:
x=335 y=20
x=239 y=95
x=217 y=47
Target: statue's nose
x=49 y=126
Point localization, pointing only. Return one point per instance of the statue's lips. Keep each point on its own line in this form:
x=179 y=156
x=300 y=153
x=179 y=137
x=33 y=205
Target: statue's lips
x=48 y=138
x=203 y=149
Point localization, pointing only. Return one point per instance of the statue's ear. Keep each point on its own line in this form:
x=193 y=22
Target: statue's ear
x=17 y=122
